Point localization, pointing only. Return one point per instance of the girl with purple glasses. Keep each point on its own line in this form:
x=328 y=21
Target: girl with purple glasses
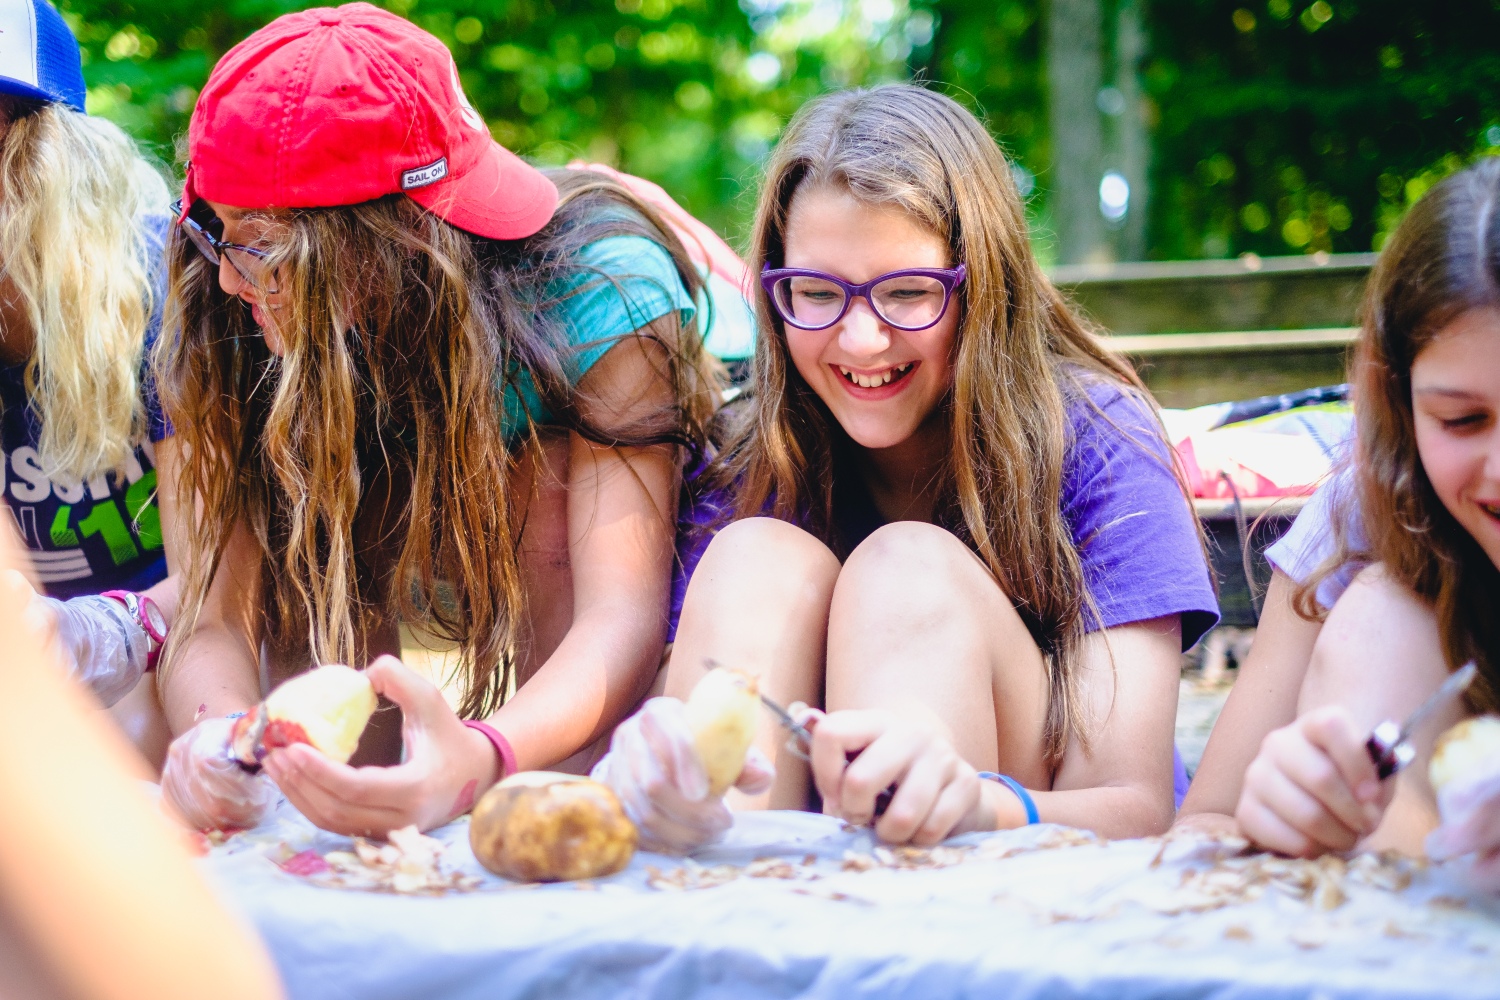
x=944 y=515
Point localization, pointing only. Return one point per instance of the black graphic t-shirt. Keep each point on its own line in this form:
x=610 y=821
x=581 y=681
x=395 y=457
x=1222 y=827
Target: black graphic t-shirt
x=85 y=537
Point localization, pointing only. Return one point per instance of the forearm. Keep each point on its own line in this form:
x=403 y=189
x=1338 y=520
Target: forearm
x=1264 y=698
x=213 y=674
x=164 y=594
x=1113 y=811
x=600 y=671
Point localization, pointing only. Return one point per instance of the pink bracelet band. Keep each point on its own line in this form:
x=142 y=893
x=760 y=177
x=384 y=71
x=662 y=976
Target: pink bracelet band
x=502 y=747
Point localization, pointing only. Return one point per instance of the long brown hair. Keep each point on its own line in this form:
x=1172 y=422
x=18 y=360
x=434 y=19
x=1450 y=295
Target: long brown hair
x=1442 y=261
x=1022 y=358
x=401 y=333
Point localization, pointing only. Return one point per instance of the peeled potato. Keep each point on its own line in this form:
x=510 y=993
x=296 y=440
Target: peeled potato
x=540 y=826
x=1467 y=747
x=327 y=707
x=722 y=712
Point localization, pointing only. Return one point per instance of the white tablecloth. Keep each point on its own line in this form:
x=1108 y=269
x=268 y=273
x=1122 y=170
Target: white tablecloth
x=1090 y=920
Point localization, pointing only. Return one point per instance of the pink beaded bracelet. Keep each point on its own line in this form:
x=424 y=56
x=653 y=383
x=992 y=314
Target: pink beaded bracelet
x=502 y=747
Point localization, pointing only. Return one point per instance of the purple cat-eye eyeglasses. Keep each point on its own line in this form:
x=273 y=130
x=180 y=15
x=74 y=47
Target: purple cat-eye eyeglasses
x=910 y=300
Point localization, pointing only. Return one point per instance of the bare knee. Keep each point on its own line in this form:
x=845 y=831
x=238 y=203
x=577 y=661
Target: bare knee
x=770 y=551
x=1379 y=638
x=916 y=571
x=759 y=596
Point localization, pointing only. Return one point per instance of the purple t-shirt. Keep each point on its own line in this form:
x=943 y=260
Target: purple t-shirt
x=1133 y=528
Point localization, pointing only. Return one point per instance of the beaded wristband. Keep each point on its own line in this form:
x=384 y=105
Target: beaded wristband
x=1026 y=800
x=502 y=747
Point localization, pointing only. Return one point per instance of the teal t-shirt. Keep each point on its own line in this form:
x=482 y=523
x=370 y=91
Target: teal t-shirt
x=622 y=284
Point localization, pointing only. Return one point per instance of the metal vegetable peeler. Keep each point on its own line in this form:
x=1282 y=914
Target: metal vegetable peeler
x=1389 y=746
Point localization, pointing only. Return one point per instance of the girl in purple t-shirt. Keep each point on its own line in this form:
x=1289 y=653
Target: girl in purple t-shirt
x=945 y=514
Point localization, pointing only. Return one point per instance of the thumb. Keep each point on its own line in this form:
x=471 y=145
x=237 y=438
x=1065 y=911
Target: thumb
x=423 y=707
x=409 y=690
x=758 y=775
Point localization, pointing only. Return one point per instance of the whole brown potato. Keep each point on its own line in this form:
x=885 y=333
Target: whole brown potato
x=540 y=826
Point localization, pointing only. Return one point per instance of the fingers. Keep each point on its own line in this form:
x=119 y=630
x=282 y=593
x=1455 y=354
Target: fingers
x=922 y=782
x=1271 y=832
x=416 y=696
x=664 y=728
x=1312 y=788
x=935 y=788
x=205 y=787
x=654 y=767
x=758 y=775
x=885 y=762
x=1332 y=731
x=1308 y=764
x=1306 y=813
x=367 y=801
x=835 y=737
x=959 y=800
x=1471 y=819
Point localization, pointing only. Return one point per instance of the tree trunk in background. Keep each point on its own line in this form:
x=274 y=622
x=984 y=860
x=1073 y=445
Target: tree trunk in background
x=1133 y=136
x=1074 y=76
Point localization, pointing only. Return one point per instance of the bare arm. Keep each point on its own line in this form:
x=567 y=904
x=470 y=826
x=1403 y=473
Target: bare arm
x=217 y=667
x=622 y=506
x=168 y=462
x=1264 y=698
x=1122 y=785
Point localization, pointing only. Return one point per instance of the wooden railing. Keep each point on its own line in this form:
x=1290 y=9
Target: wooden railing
x=1207 y=331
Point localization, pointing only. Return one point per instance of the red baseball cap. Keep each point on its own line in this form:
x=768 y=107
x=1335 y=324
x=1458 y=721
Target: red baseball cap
x=339 y=105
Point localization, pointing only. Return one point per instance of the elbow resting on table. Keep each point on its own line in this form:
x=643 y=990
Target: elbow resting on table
x=1123 y=811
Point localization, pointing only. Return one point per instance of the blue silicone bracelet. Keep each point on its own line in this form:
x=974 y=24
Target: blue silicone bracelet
x=1021 y=793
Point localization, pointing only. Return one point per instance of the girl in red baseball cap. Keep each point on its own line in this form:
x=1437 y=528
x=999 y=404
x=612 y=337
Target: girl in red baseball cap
x=415 y=380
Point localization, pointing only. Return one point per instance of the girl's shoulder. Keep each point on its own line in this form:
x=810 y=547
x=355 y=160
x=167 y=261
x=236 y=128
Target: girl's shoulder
x=1329 y=514
x=1129 y=516
x=613 y=271
x=1106 y=415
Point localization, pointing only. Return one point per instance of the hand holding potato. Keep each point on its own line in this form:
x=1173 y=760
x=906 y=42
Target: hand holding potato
x=654 y=766
x=1465 y=774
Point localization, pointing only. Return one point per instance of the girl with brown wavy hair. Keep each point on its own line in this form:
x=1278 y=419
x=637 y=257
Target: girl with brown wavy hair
x=414 y=380
x=1421 y=523
x=955 y=521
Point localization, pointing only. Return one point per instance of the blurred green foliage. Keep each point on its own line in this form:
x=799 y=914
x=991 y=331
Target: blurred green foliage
x=1277 y=126
x=1287 y=126
x=690 y=93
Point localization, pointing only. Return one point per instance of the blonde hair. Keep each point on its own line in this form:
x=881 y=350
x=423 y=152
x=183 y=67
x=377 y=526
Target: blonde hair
x=73 y=246
x=1022 y=357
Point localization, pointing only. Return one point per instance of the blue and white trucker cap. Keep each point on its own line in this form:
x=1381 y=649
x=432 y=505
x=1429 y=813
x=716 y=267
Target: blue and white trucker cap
x=38 y=54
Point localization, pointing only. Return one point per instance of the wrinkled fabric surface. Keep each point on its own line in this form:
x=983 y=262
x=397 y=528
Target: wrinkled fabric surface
x=1098 y=920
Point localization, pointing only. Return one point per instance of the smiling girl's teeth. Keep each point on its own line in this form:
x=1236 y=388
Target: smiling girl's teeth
x=879 y=378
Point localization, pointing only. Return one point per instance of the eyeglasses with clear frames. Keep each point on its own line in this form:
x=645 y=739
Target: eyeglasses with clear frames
x=909 y=300
x=206 y=231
